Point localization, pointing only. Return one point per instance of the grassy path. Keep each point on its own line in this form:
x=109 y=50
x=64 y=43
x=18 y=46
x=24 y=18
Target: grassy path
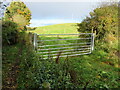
x=14 y=71
x=11 y=79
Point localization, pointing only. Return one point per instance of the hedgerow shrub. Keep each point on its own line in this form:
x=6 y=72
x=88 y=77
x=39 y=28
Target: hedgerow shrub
x=9 y=33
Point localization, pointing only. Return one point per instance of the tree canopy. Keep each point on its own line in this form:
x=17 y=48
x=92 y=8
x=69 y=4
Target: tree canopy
x=102 y=21
x=18 y=13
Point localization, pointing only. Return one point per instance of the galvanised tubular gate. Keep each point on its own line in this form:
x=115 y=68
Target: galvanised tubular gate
x=83 y=44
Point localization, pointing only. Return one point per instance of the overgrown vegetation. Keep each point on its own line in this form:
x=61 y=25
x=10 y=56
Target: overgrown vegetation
x=23 y=68
x=88 y=71
x=103 y=21
x=97 y=70
x=15 y=40
x=10 y=32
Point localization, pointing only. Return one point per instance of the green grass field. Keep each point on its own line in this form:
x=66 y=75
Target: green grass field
x=57 y=29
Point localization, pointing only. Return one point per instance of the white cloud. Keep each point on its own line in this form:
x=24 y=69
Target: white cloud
x=36 y=23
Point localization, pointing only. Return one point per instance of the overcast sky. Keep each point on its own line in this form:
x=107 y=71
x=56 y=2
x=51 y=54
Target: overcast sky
x=55 y=11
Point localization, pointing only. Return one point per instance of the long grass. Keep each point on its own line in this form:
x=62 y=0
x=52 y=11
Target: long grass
x=86 y=71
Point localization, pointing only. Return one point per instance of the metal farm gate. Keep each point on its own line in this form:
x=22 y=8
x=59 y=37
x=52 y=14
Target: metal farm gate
x=63 y=45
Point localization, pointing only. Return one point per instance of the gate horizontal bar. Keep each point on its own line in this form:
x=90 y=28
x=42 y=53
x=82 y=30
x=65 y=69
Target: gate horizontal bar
x=62 y=44
x=67 y=53
x=63 y=39
x=63 y=47
x=70 y=55
x=63 y=50
x=63 y=34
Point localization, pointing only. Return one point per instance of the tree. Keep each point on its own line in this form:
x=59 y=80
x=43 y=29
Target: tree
x=15 y=19
x=18 y=13
x=102 y=21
